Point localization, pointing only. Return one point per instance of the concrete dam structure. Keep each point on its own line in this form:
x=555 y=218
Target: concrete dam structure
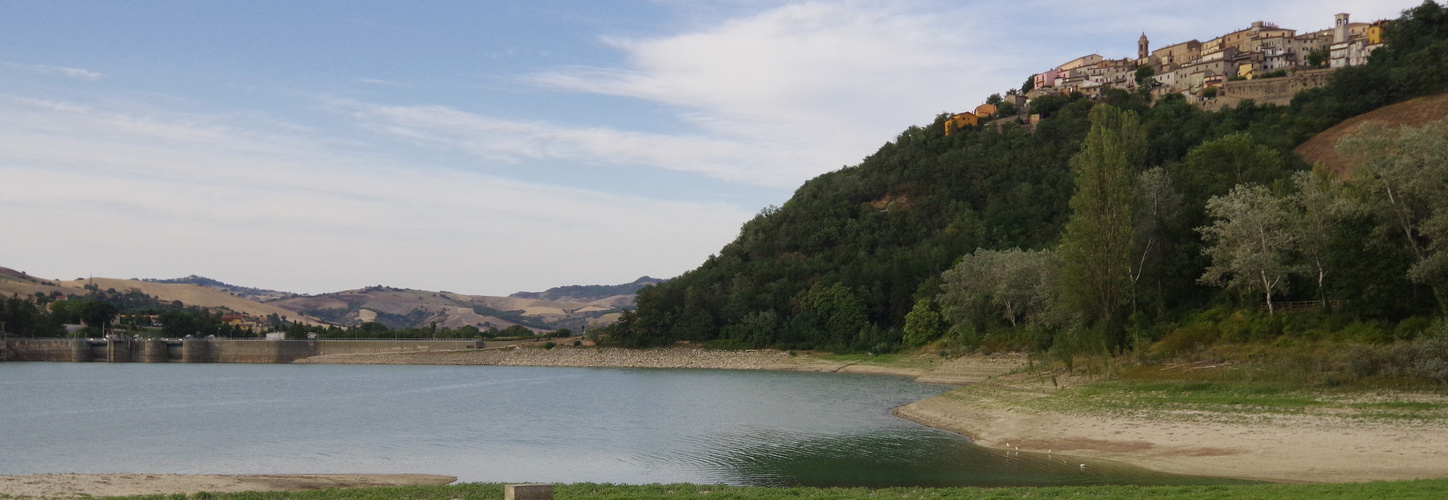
x=208 y=350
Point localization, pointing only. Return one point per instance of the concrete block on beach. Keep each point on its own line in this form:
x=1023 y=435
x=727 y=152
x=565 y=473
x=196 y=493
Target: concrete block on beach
x=528 y=492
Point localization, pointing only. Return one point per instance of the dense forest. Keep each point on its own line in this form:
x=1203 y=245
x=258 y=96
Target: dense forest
x=1108 y=220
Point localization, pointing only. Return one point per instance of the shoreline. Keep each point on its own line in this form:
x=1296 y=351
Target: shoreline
x=991 y=407
x=964 y=370
x=101 y=485
x=1284 y=448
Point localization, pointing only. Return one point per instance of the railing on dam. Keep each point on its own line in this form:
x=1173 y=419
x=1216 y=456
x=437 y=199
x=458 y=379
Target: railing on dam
x=208 y=350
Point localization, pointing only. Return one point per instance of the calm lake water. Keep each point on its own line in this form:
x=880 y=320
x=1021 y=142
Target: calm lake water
x=500 y=424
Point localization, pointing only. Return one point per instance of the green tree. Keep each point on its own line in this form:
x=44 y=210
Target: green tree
x=1403 y=173
x=96 y=313
x=1158 y=205
x=1099 y=244
x=1214 y=167
x=178 y=323
x=831 y=316
x=1319 y=204
x=1251 y=239
x=923 y=324
x=1012 y=285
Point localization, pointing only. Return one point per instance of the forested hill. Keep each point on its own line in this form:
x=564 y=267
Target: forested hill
x=844 y=261
x=588 y=293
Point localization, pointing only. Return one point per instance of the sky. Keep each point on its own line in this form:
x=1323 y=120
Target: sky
x=490 y=147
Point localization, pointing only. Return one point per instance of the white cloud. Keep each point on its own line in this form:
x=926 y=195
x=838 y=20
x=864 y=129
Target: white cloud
x=76 y=73
x=158 y=194
x=515 y=142
x=773 y=98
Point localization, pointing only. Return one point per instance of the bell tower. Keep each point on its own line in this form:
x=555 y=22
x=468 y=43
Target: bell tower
x=1143 y=48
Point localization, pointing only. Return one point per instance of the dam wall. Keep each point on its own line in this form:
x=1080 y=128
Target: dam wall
x=208 y=350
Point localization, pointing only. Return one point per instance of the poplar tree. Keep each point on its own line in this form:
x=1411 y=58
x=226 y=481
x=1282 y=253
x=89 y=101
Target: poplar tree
x=1099 y=244
x=1251 y=239
x=1403 y=175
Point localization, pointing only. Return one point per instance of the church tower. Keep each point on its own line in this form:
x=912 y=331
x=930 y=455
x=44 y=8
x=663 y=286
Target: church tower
x=1142 y=47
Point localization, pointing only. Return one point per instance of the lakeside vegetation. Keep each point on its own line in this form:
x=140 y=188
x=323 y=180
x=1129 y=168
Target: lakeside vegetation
x=1115 y=225
x=587 y=491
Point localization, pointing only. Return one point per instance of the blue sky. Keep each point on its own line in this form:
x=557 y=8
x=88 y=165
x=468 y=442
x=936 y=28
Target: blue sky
x=489 y=147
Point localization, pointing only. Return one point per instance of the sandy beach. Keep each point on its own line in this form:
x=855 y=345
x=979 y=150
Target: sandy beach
x=1305 y=447
x=83 y=485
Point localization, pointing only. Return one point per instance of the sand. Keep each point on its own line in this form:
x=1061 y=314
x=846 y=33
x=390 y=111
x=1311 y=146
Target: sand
x=1282 y=448
x=80 y=485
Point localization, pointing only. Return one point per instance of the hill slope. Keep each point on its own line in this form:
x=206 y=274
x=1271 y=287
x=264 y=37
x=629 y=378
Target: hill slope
x=15 y=283
x=1322 y=148
x=591 y=293
x=407 y=308
x=256 y=294
x=842 y=263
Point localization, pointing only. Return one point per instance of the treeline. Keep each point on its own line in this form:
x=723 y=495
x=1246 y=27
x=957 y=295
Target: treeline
x=103 y=311
x=1112 y=215
x=375 y=330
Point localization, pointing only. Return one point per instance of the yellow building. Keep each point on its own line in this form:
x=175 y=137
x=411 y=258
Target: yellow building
x=1375 y=33
x=985 y=111
x=961 y=121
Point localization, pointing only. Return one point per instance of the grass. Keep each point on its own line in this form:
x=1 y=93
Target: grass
x=1228 y=393
x=1434 y=488
x=885 y=360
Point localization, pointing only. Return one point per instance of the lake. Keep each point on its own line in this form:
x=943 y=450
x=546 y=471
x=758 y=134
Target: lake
x=501 y=424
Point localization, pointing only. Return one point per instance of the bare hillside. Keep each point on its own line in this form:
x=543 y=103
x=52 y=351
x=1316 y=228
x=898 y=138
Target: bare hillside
x=191 y=295
x=1322 y=148
x=408 y=308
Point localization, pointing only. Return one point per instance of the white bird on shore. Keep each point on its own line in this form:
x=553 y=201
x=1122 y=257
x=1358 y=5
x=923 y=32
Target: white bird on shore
x=1083 y=466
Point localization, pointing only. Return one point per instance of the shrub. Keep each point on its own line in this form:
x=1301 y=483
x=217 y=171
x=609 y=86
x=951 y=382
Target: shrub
x=1412 y=328
x=549 y=345
x=1184 y=339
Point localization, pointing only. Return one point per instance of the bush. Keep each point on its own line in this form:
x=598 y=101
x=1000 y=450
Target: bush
x=727 y=345
x=1422 y=359
x=549 y=345
x=1184 y=340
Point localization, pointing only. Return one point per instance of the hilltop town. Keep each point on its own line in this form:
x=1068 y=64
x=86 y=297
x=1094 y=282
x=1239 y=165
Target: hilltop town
x=1265 y=63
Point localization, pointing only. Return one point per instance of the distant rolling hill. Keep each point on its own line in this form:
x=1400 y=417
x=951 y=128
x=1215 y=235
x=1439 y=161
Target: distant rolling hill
x=590 y=293
x=257 y=294
x=18 y=283
x=572 y=307
x=408 y=308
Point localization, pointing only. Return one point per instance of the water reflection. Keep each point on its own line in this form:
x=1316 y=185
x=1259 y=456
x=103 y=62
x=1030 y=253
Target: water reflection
x=885 y=459
x=500 y=424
